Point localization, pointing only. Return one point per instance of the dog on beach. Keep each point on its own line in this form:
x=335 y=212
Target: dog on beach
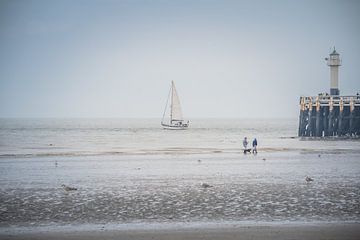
x=247 y=151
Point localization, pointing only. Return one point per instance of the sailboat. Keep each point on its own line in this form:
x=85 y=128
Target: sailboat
x=175 y=120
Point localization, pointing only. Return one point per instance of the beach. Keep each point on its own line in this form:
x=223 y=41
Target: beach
x=204 y=191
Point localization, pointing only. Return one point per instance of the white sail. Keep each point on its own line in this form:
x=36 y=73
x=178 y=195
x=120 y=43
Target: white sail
x=176 y=114
x=172 y=117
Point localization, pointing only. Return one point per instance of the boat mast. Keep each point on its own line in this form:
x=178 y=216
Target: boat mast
x=167 y=101
x=172 y=99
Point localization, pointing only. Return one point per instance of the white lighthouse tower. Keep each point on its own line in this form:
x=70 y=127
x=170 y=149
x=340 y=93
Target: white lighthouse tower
x=334 y=62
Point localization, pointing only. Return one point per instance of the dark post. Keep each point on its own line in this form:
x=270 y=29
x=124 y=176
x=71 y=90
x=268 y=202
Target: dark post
x=331 y=118
x=351 y=117
x=325 y=115
x=357 y=120
x=300 y=123
x=340 y=119
x=318 y=130
x=310 y=124
x=356 y=113
x=301 y=118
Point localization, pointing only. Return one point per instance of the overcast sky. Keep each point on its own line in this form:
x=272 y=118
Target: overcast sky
x=236 y=59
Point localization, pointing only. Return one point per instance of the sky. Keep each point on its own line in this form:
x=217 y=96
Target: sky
x=228 y=59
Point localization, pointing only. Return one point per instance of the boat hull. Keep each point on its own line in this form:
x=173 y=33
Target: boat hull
x=175 y=127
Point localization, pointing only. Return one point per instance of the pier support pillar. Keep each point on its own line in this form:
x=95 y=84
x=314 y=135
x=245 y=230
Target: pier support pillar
x=300 y=132
x=302 y=121
x=351 y=117
x=341 y=118
x=331 y=118
x=309 y=127
x=356 y=125
x=325 y=115
x=318 y=128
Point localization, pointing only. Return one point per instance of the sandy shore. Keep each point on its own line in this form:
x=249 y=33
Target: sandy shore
x=161 y=197
x=168 y=189
x=308 y=231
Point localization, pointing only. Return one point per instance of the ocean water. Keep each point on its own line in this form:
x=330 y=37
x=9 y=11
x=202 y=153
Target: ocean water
x=130 y=171
x=81 y=137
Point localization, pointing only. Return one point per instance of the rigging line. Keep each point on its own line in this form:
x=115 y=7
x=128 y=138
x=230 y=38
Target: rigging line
x=167 y=101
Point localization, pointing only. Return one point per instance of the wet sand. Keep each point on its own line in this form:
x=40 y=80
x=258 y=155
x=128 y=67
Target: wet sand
x=316 y=231
x=134 y=197
x=167 y=189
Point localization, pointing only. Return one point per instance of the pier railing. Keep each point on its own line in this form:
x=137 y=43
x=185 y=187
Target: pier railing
x=326 y=100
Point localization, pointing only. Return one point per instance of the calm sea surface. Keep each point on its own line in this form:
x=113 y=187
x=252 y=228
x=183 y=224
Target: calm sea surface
x=78 y=137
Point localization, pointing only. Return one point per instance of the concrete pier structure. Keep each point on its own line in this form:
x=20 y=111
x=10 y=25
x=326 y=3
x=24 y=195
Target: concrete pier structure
x=330 y=114
x=326 y=115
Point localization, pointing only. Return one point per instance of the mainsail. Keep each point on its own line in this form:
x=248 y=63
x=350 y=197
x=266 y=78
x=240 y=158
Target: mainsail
x=176 y=114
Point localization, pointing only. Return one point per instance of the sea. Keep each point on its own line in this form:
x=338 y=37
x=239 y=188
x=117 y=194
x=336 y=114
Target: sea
x=131 y=171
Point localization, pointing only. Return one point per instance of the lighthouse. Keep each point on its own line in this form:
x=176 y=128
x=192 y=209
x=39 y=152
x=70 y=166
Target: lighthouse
x=334 y=62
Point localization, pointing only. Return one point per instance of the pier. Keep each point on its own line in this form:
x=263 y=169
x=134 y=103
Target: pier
x=331 y=114
x=327 y=115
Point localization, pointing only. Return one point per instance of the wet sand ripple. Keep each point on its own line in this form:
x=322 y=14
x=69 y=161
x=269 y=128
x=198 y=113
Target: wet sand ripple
x=175 y=201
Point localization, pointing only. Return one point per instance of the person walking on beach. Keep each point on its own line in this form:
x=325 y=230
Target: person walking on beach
x=254 y=144
x=245 y=143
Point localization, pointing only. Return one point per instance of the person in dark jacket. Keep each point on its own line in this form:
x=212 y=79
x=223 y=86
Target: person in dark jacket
x=254 y=144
